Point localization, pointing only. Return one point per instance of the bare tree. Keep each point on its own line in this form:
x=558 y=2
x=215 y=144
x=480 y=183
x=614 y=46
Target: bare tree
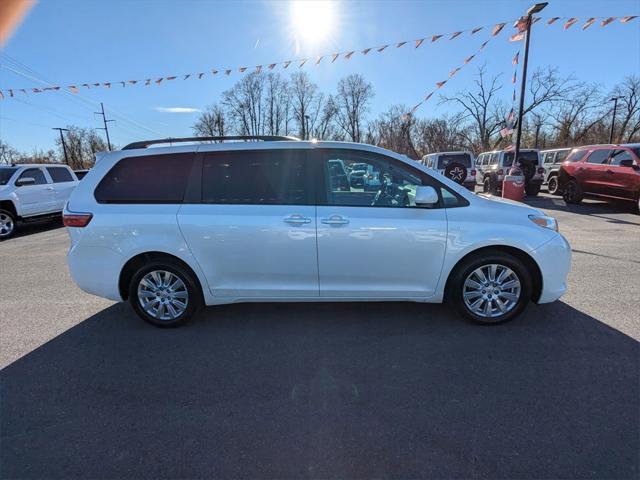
x=306 y=101
x=82 y=145
x=278 y=108
x=629 y=109
x=211 y=123
x=244 y=103
x=353 y=99
x=8 y=154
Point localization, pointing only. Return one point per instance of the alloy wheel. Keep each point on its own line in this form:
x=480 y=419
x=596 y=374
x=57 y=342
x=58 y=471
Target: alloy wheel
x=491 y=291
x=163 y=295
x=6 y=225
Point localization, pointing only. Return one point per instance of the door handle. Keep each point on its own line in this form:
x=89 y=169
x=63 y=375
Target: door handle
x=49 y=188
x=335 y=220
x=297 y=220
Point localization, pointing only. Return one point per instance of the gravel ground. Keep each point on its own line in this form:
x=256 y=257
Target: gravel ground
x=324 y=390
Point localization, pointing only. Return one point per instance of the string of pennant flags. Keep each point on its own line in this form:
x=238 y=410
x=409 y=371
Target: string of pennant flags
x=325 y=58
x=521 y=26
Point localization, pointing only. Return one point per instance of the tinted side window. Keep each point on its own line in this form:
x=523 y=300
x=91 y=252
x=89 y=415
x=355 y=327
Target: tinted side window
x=36 y=174
x=259 y=177
x=548 y=157
x=494 y=159
x=561 y=156
x=599 y=156
x=146 y=179
x=59 y=174
x=575 y=155
x=620 y=155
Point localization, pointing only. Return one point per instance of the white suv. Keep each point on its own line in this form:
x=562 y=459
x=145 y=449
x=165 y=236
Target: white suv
x=174 y=228
x=29 y=192
x=456 y=166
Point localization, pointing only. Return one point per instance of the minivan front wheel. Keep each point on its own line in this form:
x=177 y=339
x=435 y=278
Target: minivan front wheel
x=164 y=294
x=492 y=288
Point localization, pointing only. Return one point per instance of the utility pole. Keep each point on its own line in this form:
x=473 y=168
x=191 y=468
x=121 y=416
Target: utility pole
x=64 y=145
x=523 y=84
x=104 y=119
x=306 y=130
x=613 y=120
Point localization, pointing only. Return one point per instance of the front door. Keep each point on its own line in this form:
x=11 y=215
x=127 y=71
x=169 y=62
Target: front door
x=593 y=171
x=38 y=198
x=624 y=182
x=378 y=244
x=254 y=232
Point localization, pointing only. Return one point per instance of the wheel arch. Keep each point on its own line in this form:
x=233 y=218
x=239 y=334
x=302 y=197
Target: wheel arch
x=9 y=206
x=524 y=257
x=134 y=263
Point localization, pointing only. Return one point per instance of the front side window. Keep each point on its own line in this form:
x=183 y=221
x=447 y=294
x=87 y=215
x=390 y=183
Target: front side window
x=561 y=156
x=447 y=159
x=494 y=159
x=620 y=155
x=548 y=157
x=261 y=177
x=575 y=155
x=6 y=173
x=146 y=179
x=59 y=174
x=36 y=174
x=599 y=156
x=387 y=183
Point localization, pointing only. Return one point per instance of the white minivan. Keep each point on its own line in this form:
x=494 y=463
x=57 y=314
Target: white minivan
x=171 y=229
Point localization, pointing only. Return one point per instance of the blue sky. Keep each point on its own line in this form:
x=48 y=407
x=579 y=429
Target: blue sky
x=67 y=42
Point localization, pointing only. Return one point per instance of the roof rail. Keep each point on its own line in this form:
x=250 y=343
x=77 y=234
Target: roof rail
x=266 y=138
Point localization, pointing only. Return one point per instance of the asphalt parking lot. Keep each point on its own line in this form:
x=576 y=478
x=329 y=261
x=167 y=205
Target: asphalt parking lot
x=387 y=390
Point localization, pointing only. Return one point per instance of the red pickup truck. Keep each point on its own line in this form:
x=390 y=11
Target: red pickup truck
x=608 y=171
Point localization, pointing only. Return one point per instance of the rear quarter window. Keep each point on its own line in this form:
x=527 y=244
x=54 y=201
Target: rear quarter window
x=146 y=179
x=60 y=174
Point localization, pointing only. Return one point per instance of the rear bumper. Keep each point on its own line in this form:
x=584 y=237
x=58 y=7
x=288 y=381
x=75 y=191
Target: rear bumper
x=554 y=260
x=96 y=270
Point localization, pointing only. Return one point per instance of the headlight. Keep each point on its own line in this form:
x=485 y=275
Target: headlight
x=544 y=221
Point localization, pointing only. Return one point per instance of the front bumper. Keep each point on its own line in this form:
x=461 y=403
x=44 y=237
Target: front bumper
x=554 y=260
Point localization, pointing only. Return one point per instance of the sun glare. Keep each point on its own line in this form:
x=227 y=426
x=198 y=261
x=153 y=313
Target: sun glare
x=312 y=20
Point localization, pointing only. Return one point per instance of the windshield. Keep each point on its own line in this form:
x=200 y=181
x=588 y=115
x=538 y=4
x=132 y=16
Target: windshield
x=359 y=166
x=445 y=160
x=6 y=173
x=531 y=156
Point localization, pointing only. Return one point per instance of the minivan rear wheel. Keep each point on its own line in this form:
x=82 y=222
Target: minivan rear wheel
x=164 y=294
x=490 y=288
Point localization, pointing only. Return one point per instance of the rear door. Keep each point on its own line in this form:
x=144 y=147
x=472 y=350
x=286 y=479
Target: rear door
x=592 y=173
x=378 y=244
x=63 y=185
x=35 y=199
x=253 y=232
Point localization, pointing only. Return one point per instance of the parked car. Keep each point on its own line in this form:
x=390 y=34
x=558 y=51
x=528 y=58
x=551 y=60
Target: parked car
x=357 y=172
x=493 y=166
x=32 y=192
x=173 y=228
x=457 y=166
x=338 y=176
x=551 y=162
x=607 y=171
x=372 y=181
x=80 y=174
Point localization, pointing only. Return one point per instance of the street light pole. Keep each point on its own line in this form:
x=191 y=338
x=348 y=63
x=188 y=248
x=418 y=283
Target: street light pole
x=523 y=84
x=613 y=120
x=64 y=145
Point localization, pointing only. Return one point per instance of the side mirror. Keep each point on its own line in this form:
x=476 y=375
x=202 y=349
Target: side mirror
x=24 y=181
x=627 y=162
x=426 y=195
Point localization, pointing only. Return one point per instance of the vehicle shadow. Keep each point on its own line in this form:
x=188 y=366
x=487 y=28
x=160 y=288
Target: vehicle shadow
x=594 y=208
x=326 y=391
x=39 y=226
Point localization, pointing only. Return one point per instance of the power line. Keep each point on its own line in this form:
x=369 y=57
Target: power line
x=64 y=145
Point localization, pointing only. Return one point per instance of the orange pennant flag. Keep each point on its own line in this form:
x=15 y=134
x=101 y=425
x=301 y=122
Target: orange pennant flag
x=200 y=75
x=516 y=37
x=440 y=84
x=348 y=55
x=133 y=82
x=381 y=49
x=334 y=57
x=435 y=38
x=107 y=84
x=122 y=83
x=366 y=50
x=319 y=59
x=227 y=72
x=303 y=62
x=400 y=44
x=588 y=23
x=419 y=42
x=23 y=91
x=454 y=71
x=286 y=64
x=171 y=78
x=454 y=35
x=569 y=23
x=553 y=20
x=476 y=30
x=215 y=72
x=607 y=21
x=428 y=96
x=86 y=85
x=515 y=58
x=147 y=82
x=497 y=29
x=628 y=19
x=515 y=78
x=468 y=59
x=159 y=81
x=258 y=68
x=10 y=92
x=36 y=90
x=272 y=66
x=484 y=44
x=186 y=77
x=536 y=20
x=242 y=69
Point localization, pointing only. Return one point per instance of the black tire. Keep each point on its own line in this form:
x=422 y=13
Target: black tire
x=7 y=224
x=532 y=190
x=489 y=187
x=194 y=299
x=554 y=185
x=455 y=286
x=572 y=192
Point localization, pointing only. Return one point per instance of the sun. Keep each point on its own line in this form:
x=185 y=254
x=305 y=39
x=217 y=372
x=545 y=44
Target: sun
x=312 y=20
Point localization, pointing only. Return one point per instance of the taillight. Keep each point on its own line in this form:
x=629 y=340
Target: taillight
x=473 y=173
x=540 y=170
x=501 y=172
x=73 y=219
